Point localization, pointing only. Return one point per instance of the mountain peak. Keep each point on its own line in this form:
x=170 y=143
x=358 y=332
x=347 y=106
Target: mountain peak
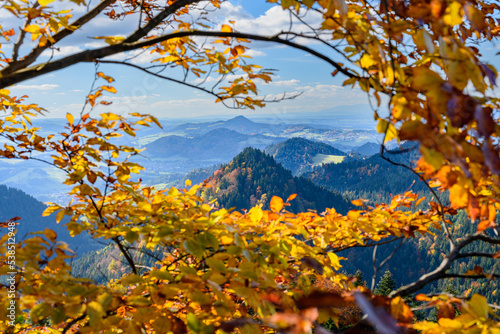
x=240 y=120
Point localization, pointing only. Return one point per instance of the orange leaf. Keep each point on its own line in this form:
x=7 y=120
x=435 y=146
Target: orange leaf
x=459 y=196
x=276 y=204
x=226 y=28
x=105 y=77
x=109 y=89
x=422 y=297
x=483 y=225
x=446 y=311
x=357 y=202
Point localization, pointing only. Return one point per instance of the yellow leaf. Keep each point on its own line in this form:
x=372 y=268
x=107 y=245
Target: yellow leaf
x=334 y=260
x=50 y=210
x=70 y=118
x=276 y=204
x=256 y=214
x=32 y=28
x=400 y=310
x=450 y=324
x=454 y=14
x=49 y=234
x=45 y=2
x=226 y=28
x=479 y=305
x=353 y=215
x=291 y=197
x=187 y=183
x=459 y=196
x=366 y=61
x=60 y=216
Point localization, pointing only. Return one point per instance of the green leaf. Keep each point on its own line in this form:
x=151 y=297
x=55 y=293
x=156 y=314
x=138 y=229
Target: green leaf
x=40 y=311
x=193 y=323
x=58 y=315
x=193 y=248
x=217 y=265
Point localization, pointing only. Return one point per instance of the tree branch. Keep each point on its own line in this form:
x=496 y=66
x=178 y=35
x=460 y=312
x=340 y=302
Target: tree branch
x=126 y=254
x=92 y=55
x=33 y=55
x=475 y=254
x=22 y=34
x=154 y=22
x=440 y=271
x=159 y=75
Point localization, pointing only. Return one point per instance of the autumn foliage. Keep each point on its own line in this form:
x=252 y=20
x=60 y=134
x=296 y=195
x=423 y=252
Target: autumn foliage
x=265 y=270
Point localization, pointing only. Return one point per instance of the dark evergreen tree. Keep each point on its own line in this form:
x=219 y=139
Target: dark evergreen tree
x=386 y=284
x=359 y=279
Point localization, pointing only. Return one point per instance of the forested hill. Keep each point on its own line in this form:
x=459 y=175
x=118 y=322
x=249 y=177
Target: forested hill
x=300 y=155
x=369 y=177
x=253 y=177
x=368 y=149
x=15 y=203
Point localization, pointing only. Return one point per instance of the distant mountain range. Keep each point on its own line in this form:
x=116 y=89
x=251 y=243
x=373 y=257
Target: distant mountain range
x=314 y=131
x=217 y=145
x=300 y=155
x=253 y=177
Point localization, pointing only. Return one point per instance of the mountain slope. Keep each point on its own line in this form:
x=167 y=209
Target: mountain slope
x=254 y=177
x=372 y=176
x=15 y=203
x=368 y=149
x=300 y=155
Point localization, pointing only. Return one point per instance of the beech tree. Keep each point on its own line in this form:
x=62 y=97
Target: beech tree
x=226 y=271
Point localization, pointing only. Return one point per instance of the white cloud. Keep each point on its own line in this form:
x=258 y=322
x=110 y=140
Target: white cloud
x=61 y=51
x=320 y=91
x=255 y=53
x=136 y=57
x=36 y=87
x=273 y=21
x=284 y=83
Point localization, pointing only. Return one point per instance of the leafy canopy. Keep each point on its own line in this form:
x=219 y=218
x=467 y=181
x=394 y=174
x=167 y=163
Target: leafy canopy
x=220 y=270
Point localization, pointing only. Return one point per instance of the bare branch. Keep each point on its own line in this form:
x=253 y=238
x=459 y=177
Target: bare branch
x=374 y=261
x=479 y=276
x=377 y=268
x=22 y=34
x=154 y=22
x=441 y=211
x=440 y=271
x=475 y=254
x=159 y=76
x=126 y=254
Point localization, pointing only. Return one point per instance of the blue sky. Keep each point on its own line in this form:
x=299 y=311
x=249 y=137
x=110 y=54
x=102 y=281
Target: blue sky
x=64 y=91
